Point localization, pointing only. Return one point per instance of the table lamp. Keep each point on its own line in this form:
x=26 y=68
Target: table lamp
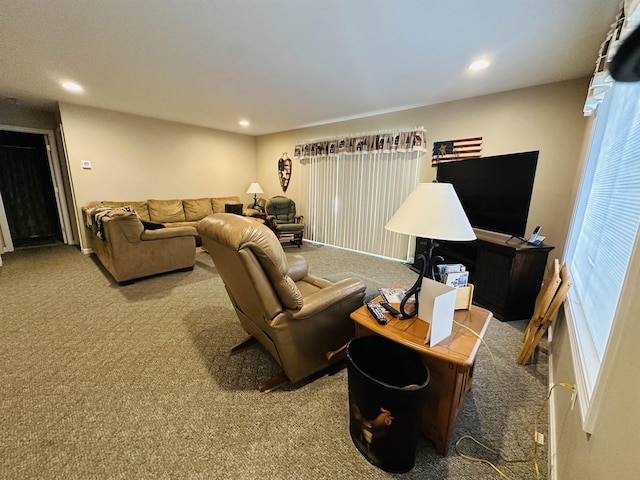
x=432 y=211
x=255 y=188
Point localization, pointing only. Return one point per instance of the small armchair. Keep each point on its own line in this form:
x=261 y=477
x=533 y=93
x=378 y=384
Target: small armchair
x=300 y=319
x=282 y=219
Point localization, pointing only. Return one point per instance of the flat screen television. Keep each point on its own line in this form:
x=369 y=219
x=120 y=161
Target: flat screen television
x=495 y=192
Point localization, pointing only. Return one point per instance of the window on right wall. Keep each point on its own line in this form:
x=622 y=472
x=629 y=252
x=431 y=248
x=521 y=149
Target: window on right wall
x=603 y=235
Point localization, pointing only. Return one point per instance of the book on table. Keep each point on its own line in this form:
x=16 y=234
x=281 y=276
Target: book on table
x=394 y=295
x=456 y=279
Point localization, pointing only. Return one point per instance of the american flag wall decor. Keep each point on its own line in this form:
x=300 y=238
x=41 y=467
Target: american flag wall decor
x=452 y=150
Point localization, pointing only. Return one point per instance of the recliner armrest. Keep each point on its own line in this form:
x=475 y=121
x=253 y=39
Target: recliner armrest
x=272 y=221
x=297 y=266
x=328 y=296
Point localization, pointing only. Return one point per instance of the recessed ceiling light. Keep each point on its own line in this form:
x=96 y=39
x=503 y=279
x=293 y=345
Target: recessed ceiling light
x=72 y=87
x=479 y=65
x=244 y=123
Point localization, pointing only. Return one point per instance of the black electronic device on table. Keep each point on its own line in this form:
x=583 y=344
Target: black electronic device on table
x=376 y=311
x=536 y=238
x=392 y=311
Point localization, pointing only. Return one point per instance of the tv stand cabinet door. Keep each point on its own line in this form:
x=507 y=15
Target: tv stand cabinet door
x=492 y=280
x=508 y=279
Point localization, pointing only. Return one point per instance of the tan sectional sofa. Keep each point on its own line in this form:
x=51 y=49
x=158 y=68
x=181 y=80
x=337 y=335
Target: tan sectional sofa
x=142 y=238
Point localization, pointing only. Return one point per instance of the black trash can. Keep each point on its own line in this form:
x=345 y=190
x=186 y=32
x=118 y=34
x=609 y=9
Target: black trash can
x=386 y=389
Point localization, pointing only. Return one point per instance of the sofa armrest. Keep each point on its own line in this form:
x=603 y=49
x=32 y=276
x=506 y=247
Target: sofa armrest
x=251 y=212
x=168 y=233
x=322 y=299
x=128 y=225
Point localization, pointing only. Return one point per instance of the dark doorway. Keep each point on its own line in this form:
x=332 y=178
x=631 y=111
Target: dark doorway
x=27 y=190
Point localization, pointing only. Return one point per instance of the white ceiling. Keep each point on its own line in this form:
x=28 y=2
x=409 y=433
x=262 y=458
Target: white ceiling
x=284 y=64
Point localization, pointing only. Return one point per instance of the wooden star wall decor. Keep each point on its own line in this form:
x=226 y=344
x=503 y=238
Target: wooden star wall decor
x=452 y=150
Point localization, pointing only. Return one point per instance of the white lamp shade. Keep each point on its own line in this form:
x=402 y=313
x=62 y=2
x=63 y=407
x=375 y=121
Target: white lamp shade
x=255 y=188
x=434 y=211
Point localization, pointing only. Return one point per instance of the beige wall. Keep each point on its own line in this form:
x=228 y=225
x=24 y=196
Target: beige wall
x=138 y=158
x=611 y=449
x=546 y=118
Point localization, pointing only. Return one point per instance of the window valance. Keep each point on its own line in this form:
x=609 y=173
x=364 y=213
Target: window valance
x=626 y=21
x=387 y=141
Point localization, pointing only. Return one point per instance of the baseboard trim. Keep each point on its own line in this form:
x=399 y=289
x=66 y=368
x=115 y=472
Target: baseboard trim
x=87 y=251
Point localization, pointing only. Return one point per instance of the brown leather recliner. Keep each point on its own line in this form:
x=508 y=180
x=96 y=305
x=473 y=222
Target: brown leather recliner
x=299 y=318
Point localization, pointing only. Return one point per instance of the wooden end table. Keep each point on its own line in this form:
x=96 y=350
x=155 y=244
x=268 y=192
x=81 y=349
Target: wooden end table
x=450 y=363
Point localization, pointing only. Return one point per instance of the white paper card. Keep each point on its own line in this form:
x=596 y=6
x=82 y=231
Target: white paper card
x=436 y=306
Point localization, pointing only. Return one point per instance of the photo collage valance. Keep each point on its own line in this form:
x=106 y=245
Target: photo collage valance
x=400 y=141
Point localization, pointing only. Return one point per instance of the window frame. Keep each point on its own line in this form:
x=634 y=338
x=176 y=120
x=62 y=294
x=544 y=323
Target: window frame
x=591 y=371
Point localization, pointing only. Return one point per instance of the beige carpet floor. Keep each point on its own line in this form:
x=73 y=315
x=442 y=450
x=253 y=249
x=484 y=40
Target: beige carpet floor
x=108 y=382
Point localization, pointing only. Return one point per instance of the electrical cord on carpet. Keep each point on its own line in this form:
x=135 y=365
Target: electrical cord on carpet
x=534 y=455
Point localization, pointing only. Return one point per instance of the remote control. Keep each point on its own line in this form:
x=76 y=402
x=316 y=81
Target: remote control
x=392 y=311
x=376 y=311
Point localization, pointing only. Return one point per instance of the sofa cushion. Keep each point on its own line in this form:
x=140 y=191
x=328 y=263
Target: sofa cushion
x=165 y=211
x=141 y=209
x=109 y=203
x=195 y=210
x=219 y=203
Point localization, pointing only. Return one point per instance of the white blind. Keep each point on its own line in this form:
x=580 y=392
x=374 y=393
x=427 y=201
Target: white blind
x=318 y=179
x=350 y=197
x=607 y=213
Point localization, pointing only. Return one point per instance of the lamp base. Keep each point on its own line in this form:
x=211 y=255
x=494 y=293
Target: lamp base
x=415 y=290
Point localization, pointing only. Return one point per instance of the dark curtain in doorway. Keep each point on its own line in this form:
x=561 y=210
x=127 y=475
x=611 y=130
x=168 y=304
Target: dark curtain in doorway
x=27 y=189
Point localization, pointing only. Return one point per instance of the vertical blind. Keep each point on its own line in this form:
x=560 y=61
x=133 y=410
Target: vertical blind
x=607 y=214
x=350 y=197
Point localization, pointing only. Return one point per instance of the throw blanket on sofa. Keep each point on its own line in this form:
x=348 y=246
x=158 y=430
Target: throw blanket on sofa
x=98 y=213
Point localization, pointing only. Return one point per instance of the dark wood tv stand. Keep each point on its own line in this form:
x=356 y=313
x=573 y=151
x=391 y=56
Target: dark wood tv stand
x=506 y=274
